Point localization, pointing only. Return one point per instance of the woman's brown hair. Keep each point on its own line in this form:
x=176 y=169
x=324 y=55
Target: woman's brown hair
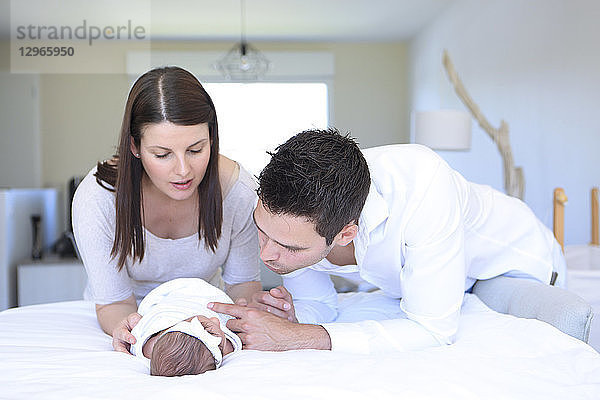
x=169 y=94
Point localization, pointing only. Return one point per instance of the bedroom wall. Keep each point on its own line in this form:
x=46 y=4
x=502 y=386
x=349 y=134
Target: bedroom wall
x=83 y=112
x=80 y=114
x=20 y=148
x=19 y=131
x=536 y=65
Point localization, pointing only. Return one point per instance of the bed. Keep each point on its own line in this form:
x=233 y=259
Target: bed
x=58 y=351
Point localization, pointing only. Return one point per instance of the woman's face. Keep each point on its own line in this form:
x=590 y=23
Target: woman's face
x=174 y=157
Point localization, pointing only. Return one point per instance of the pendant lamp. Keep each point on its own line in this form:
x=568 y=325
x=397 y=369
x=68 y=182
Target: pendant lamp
x=243 y=62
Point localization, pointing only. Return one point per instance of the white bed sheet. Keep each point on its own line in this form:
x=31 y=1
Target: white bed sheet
x=583 y=279
x=58 y=351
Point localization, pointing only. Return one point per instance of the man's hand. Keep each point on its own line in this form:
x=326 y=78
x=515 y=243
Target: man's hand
x=122 y=337
x=277 y=301
x=260 y=330
x=243 y=290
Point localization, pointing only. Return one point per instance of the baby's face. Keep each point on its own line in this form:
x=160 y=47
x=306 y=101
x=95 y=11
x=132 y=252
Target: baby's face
x=212 y=326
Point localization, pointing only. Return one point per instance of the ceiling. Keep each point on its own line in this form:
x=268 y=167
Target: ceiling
x=266 y=20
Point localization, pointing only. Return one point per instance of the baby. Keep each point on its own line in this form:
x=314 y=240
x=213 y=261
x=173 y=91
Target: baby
x=178 y=334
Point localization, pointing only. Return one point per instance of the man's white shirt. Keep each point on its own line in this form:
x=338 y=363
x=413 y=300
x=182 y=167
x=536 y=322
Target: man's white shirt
x=425 y=236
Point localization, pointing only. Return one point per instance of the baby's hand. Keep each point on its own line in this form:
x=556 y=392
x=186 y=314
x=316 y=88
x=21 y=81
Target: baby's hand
x=277 y=301
x=122 y=337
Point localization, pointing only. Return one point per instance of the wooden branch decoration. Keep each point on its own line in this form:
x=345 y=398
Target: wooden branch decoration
x=514 y=181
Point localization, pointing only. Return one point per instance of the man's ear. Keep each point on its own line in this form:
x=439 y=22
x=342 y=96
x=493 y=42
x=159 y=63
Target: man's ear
x=346 y=235
x=133 y=148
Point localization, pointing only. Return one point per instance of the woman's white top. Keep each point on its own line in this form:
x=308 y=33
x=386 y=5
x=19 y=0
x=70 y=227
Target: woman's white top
x=425 y=235
x=175 y=301
x=235 y=260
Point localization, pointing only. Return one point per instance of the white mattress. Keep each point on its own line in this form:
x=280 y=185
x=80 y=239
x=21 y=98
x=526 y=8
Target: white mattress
x=58 y=351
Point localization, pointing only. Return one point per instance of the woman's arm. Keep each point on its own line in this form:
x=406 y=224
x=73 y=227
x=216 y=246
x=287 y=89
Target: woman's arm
x=110 y=315
x=94 y=231
x=241 y=270
x=118 y=319
x=93 y=227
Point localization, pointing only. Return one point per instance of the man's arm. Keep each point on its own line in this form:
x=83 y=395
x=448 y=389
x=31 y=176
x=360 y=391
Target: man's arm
x=306 y=296
x=314 y=296
x=260 y=330
x=379 y=337
x=433 y=276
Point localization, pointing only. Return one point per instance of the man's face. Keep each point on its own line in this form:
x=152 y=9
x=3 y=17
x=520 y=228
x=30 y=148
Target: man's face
x=288 y=243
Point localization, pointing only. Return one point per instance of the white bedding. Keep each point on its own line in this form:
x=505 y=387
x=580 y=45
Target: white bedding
x=58 y=351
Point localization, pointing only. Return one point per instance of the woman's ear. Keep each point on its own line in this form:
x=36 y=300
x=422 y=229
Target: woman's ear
x=134 y=150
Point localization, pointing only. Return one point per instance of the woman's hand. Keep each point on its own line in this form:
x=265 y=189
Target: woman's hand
x=118 y=319
x=122 y=337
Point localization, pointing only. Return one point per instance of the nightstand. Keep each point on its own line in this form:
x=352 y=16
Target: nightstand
x=49 y=280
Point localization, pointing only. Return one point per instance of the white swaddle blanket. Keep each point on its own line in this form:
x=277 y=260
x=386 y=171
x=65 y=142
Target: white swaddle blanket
x=175 y=301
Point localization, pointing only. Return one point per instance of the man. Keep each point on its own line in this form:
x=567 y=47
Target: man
x=397 y=217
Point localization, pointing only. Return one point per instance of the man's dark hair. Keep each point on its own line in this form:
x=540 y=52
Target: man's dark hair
x=320 y=175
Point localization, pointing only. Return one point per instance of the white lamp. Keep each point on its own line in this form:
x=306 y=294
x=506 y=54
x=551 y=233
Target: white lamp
x=443 y=129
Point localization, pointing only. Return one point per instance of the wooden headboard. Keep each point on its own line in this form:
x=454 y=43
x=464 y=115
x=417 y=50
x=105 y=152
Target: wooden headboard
x=560 y=200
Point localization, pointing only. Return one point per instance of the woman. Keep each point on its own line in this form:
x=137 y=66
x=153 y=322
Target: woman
x=167 y=206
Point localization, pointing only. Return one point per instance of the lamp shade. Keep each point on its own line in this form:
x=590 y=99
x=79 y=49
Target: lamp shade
x=443 y=129
x=243 y=63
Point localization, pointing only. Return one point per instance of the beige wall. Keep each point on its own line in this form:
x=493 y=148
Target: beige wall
x=80 y=122
x=80 y=114
x=371 y=94
x=20 y=156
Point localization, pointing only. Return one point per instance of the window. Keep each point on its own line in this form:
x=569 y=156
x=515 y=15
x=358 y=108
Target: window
x=257 y=117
